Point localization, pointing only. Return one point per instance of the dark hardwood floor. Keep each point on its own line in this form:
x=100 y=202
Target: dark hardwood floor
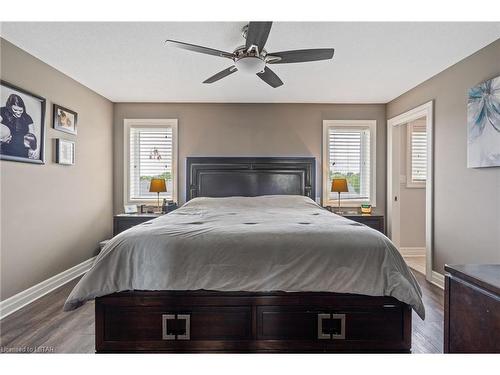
x=427 y=335
x=43 y=327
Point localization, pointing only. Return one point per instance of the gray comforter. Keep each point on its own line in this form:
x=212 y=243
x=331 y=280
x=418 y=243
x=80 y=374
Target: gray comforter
x=268 y=243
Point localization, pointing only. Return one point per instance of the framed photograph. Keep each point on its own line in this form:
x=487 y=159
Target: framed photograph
x=483 y=125
x=65 y=152
x=64 y=119
x=130 y=209
x=22 y=125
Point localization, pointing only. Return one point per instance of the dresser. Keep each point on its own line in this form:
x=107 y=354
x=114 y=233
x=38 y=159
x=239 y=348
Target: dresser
x=472 y=309
x=122 y=222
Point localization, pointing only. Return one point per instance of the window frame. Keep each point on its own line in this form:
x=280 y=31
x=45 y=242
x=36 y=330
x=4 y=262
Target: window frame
x=148 y=123
x=410 y=183
x=372 y=126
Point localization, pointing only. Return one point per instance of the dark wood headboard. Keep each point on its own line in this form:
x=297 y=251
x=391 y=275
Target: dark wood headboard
x=250 y=177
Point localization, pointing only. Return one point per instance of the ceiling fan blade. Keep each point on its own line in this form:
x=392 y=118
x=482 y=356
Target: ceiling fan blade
x=221 y=74
x=200 y=49
x=257 y=34
x=269 y=77
x=300 y=55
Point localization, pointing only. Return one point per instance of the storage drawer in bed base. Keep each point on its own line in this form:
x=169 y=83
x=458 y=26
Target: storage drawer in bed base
x=251 y=322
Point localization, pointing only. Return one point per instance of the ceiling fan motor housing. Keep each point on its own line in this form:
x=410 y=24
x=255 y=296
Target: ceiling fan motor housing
x=250 y=64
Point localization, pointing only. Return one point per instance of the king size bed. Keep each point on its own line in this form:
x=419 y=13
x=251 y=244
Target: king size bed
x=250 y=264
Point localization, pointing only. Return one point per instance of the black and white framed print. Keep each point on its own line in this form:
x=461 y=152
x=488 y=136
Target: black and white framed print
x=65 y=152
x=22 y=125
x=64 y=119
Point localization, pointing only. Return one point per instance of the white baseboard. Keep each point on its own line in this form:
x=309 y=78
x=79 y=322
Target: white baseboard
x=437 y=279
x=30 y=295
x=412 y=251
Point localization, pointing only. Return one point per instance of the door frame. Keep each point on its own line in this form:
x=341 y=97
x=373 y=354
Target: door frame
x=427 y=110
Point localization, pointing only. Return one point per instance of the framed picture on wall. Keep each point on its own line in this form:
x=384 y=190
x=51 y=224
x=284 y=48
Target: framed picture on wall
x=65 y=152
x=483 y=124
x=64 y=119
x=22 y=127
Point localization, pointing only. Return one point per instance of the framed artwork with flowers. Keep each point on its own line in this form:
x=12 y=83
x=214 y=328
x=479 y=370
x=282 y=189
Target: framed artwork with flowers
x=22 y=125
x=483 y=125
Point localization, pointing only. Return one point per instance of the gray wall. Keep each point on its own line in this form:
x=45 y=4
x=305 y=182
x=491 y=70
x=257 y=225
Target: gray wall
x=466 y=201
x=56 y=220
x=412 y=202
x=53 y=216
x=249 y=130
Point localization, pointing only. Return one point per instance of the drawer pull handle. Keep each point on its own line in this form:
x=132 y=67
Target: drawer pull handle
x=176 y=327
x=331 y=326
x=187 y=324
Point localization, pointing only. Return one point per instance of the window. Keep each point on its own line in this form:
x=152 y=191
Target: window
x=150 y=148
x=416 y=158
x=349 y=152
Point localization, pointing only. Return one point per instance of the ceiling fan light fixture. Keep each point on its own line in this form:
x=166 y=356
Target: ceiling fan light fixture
x=252 y=58
x=250 y=65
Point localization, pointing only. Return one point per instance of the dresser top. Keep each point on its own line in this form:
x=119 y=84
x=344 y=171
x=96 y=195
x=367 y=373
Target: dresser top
x=486 y=276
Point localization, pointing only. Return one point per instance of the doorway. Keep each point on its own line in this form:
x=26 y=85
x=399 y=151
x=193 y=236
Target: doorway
x=409 y=186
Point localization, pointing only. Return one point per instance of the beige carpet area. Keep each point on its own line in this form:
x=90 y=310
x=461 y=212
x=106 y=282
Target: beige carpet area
x=416 y=262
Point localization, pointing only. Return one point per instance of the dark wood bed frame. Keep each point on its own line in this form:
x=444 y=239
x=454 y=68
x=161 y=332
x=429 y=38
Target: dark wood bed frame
x=210 y=321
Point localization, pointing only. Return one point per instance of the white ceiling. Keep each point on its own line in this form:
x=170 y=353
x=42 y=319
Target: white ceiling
x=128 y=62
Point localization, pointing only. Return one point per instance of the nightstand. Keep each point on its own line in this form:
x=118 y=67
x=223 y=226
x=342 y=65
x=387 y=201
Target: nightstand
x=373 y=221
x=123 y=222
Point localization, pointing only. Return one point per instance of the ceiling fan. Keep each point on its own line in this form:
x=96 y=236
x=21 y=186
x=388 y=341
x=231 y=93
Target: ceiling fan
x=252 y=58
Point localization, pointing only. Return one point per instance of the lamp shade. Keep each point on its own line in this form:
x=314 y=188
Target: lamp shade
x=339 y=185
x=157 y=185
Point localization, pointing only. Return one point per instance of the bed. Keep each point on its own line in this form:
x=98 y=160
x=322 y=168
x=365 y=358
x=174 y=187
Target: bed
x=250 y=264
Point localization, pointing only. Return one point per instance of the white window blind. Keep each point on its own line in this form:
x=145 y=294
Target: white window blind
x=349 y=158
x=151 y=156
x=417 y=157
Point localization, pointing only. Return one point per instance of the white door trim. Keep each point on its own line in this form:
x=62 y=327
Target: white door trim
x=426 y=110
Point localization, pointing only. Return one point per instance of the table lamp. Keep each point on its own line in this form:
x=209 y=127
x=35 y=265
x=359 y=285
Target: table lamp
x=339 y=185
x=158 y=185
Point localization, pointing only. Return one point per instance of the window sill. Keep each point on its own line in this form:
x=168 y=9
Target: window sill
x=148 y=201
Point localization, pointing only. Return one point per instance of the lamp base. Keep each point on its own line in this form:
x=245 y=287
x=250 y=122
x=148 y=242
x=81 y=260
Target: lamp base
x=339 y=211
